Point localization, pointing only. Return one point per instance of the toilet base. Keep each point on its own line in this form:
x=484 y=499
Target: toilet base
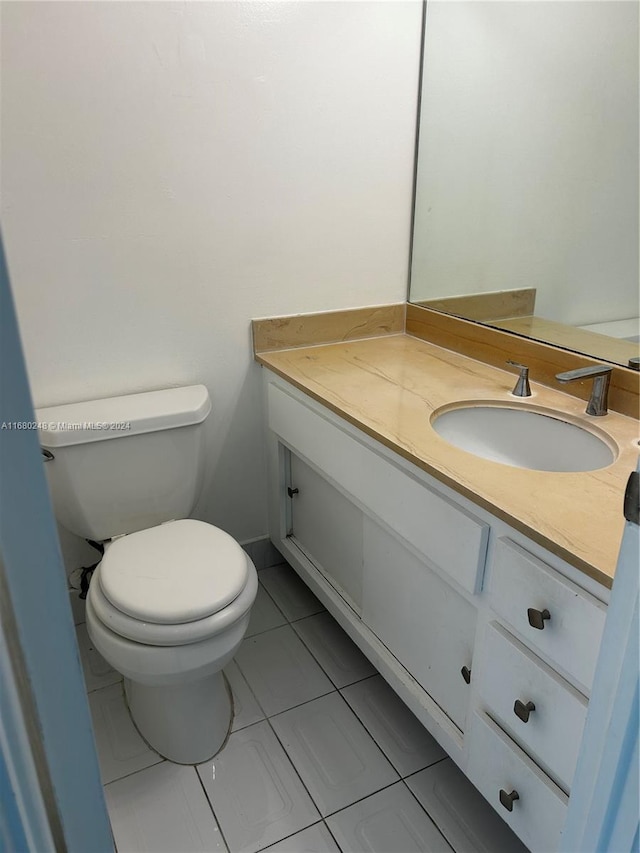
x=188 y=723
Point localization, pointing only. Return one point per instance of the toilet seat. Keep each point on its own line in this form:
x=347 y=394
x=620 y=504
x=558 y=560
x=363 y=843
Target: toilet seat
x=175 y=573
x=222 y=586
x=155 y=634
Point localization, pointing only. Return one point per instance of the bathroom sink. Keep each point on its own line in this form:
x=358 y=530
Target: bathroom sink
x=523 y=438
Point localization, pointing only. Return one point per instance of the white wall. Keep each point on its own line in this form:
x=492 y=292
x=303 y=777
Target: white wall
x=529 y=155
x=171 y=170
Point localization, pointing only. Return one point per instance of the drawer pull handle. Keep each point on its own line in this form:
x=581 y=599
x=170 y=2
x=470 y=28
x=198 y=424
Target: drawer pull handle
x=508 y=800
x=291 y=492
x=537 y=617
x=522 y=711
x=466 y=674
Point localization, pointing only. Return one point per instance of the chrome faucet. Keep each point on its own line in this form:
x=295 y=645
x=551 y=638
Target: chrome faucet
x=601 y=375
x=522 y=389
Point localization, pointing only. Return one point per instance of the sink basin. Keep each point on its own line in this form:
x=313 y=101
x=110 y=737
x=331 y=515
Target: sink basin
x=523 y=438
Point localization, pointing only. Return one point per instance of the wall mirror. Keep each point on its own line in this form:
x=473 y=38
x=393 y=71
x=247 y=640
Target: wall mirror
x=526 y=210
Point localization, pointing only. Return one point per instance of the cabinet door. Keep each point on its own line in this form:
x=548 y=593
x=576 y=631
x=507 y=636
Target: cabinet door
x=328 y=528
x=428 y=626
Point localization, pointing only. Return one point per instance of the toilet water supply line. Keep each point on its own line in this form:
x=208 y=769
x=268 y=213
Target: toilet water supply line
x=87 y=571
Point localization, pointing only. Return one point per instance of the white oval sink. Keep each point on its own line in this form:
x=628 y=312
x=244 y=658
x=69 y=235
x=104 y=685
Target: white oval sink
x=523 y=438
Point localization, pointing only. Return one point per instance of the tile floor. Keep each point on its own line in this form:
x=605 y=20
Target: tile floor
x=322 y=756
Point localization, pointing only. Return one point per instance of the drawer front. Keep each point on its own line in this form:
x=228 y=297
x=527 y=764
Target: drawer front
x=551 y=731
x=450 y=538
x=497 y=764
x=571 y=636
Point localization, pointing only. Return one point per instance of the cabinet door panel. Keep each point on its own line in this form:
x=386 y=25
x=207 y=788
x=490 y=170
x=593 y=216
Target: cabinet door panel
x=428 y=626
x=328 y=528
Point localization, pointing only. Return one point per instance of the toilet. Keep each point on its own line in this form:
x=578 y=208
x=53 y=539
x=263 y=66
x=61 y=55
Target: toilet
x=169 y=602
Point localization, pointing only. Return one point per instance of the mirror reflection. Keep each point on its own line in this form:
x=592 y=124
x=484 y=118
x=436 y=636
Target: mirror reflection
x=526 y=212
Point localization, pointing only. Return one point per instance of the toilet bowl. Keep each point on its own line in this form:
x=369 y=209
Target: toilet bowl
x=168 y=607
x=170 y=601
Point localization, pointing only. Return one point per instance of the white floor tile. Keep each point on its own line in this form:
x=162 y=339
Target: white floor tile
x=255 y=792
x=121 y=750
x=336 y=758
x=77 y=606
x=402 y=737
x=390 y=821
x=246 y=710
x=316 y=839
x=461 y=813
x=334 y=650
x=264 y=614
x=164 y=810
x=280 y=670
x=97 y=672
x=291 y=594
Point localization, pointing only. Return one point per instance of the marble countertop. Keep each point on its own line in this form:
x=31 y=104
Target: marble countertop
x=390 y=387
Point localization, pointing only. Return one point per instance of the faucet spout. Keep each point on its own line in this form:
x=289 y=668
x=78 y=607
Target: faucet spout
x=601 y=375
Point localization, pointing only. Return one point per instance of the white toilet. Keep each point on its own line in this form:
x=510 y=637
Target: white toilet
x=170 y=601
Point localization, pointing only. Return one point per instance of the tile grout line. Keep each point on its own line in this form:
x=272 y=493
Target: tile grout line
x=142 y=769
x=431 y=818
x=295 y=770
x=310 y=650
x=210 y=804
x=293 y=834
x=373 y=737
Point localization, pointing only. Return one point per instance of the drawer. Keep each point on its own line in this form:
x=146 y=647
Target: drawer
x=571 y=636
x=449 y=537
x=509 y=672
x=497 y=764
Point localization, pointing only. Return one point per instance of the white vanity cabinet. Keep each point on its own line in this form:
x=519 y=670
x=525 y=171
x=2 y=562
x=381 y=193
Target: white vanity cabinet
x=487 y=637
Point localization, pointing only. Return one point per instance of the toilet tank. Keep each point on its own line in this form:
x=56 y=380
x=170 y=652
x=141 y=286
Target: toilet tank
x=123 y=464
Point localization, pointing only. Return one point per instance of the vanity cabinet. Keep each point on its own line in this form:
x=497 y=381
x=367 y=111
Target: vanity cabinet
x=488 y=638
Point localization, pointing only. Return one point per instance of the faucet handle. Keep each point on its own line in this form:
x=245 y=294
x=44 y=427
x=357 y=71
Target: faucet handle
x=522 y=389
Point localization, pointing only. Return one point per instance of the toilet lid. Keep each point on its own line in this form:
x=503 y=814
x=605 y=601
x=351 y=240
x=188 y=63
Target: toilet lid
x=173 y=573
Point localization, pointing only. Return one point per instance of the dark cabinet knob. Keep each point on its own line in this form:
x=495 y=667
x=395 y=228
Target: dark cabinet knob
x=466 y=674
x=537 y=617
x=508 y=800
x=521 y=710
x=291 y=492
